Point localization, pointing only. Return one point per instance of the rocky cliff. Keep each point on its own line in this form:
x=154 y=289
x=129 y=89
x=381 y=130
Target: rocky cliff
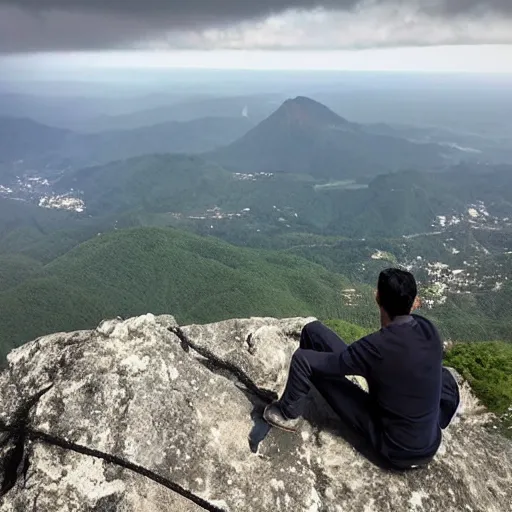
x=145 y=415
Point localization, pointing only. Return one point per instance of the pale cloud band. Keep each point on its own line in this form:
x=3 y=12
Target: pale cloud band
x=430 y=59
x=372 y=27
x=64 y=25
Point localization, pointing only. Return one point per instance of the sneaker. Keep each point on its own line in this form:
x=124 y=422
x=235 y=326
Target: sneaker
x=275 y=417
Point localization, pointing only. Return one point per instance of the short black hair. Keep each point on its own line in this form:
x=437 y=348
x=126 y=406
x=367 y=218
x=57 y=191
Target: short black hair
x=397 y=291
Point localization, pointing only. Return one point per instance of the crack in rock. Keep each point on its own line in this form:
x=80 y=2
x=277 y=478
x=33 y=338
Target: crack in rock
x=251 y=345
x=217 y=363
x=15 y=462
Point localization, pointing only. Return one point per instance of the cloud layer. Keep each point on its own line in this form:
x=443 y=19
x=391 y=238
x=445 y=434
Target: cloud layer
x=198 y=11
x=47 y=25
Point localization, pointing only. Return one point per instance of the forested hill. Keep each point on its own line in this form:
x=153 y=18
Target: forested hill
x=132 y=272
x=451 y=229
x=392 y=204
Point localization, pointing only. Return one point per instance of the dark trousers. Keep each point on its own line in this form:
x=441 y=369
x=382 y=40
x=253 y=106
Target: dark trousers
x=313 y=364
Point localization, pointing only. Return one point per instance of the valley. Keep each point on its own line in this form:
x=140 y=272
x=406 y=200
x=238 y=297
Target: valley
x=112 y=236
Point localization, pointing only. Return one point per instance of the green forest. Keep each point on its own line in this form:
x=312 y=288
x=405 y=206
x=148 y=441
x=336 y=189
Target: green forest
x=163 y=270
x=487 y=366
x=165 y=233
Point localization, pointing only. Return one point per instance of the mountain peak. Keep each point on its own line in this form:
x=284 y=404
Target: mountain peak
x=306 y=137
x=305 y=102
x=305 y=111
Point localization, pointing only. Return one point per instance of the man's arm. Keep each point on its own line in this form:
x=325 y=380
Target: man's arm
x=360 y=357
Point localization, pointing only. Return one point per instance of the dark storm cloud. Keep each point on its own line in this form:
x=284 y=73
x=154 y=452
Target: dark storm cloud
x=28 y=25
x=199 y=11
x=179 y=11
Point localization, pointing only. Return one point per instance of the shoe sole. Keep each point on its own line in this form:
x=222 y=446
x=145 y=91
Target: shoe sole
x=280 y=427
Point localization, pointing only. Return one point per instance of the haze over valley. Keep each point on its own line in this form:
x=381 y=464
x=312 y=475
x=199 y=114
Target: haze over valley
x=288 y=176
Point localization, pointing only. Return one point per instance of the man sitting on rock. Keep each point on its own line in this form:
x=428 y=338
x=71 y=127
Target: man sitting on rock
x=411 y=396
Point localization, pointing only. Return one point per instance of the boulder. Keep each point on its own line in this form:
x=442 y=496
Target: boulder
x=146 y=415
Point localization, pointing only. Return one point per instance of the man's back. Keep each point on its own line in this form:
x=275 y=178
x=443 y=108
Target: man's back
x=403 y=366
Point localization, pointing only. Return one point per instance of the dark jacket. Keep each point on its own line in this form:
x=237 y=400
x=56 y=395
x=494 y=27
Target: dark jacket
x=403 y=366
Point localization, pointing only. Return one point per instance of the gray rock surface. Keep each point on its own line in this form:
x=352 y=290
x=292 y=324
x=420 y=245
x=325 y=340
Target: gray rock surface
x=138 y=413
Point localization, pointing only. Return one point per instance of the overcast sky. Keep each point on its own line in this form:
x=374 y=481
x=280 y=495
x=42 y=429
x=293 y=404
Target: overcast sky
x=424 y=35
